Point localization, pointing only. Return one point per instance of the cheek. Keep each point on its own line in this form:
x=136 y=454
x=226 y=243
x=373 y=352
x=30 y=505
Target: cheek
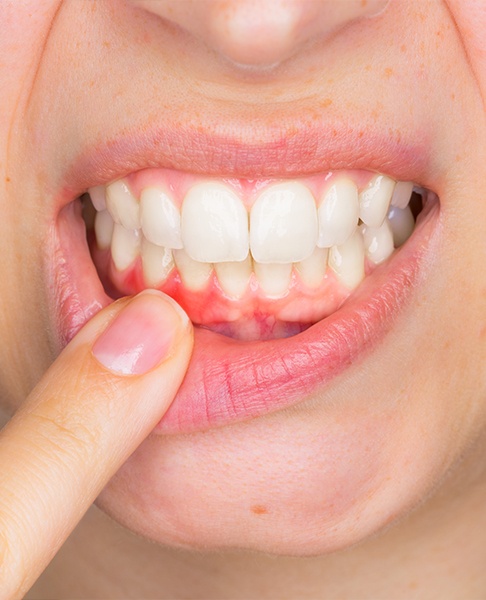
x=322 y=483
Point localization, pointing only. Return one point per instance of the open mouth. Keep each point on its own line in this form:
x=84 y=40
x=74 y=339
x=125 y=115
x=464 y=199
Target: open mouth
x=287 y=281
x=252 y=260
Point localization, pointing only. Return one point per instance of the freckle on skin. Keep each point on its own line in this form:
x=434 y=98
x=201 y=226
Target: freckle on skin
x=388 y=72
x=258 y=509
x=326 y=102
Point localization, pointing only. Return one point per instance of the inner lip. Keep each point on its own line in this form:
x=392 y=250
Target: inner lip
x=256 y=314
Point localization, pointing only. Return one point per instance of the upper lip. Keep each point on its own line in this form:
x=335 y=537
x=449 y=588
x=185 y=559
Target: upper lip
x=285 y=151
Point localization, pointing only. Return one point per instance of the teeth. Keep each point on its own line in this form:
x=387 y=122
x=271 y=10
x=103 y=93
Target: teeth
x=214 y=224
x=347 y=260
x=402 y=194
x=283 y=224
x=98 y=197
x=103 y=227
x=378 y=242
x=160 y=218
x=234 y=276
x=194 y=275
x=157 y=263
x=313 y=269
x=274 y=280
x=375 y=200
x=338 y=214
x=125 y=246
x=123 y=205
x=402 y=224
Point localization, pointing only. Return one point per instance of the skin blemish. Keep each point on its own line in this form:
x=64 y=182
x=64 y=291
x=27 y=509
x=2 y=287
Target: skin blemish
x=326 y=102
x=259 y=509
x=388 y=72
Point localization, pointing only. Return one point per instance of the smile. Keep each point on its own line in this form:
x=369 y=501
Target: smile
x=287 y=280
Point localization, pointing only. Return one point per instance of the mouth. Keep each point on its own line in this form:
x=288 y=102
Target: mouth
x=288 y=280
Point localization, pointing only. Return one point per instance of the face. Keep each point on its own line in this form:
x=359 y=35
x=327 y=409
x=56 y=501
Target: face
x=306 y=179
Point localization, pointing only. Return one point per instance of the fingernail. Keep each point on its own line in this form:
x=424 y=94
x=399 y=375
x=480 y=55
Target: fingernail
x=141 y=335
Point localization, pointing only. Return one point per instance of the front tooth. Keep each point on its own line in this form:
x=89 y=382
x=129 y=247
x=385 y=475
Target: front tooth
x=103 y=227
x=234 y=276
x=347 y=260
x=402 y=224
x=283 y=224
x=123 y=205
x=125 y=246
x=214 y=224
x=194 y=275
x=313 y=269
x=375 y=199
x=98 y=197
x=157 y=263
x=160 y=218
x=378 y=242
x=402 y=194
x=274 y=279
x=338 y=214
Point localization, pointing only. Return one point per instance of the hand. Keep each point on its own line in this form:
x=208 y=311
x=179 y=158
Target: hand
x=99 y=400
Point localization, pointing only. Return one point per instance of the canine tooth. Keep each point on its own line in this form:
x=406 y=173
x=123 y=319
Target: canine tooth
x=374 y=200
x=234 y=276
x=98 y=197
x=402 y=194
x=274 y=279
x=123 y=205
x=125 y=246
x=160 y=218
x=194 y=275
x=402 y=224
x=157 y=263
x=338 y=214
x=378 y=242
x=347 y=260
x=283 y=224
x=313 y=269
x=214 y=224
x=103 y=227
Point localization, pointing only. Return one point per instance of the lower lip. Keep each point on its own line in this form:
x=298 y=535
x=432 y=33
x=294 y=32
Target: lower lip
x=230 y=381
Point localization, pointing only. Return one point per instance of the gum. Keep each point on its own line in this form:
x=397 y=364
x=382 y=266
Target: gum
x=178 y=183
x=253 y=316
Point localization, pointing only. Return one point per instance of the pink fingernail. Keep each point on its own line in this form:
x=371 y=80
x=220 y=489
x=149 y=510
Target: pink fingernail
x=141 y=335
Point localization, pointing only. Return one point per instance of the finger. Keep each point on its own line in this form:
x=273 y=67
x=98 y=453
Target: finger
x=95 y=405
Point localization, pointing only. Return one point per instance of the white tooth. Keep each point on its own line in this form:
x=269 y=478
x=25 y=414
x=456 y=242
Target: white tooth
x=374 y=200
x=402 y=224
x=157 y=263
x=194 y=275
x=378 y=242
x=274 y=280
x=123 y=205
x=402 y=193
x=283 y=224
x=347 y=260
x=234 y=276
x=214 y=224
x=338 y=214
x=103 y=227
x=160 y=218
x=313 y=269
x=98 y=197
x=125 y=246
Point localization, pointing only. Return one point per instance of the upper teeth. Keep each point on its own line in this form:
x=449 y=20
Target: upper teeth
x=285 y=225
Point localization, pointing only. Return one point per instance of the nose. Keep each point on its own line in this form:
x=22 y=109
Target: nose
x=261 y=33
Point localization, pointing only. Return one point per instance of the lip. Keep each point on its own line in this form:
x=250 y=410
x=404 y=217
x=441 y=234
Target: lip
x=228 y=380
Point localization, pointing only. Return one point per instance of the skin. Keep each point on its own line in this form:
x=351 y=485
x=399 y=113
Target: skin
x=395 y=445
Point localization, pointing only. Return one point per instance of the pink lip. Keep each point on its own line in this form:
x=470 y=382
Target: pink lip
x=230 y=381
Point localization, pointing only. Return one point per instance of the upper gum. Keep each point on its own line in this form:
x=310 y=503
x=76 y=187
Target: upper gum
x=177 y=183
